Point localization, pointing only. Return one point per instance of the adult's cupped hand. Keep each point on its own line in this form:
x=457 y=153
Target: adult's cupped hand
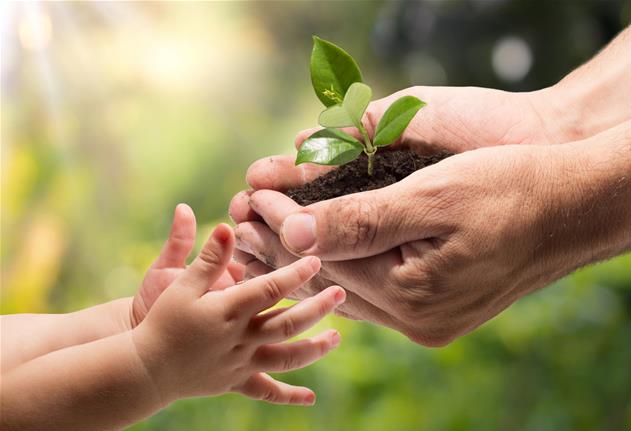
x=438 y=253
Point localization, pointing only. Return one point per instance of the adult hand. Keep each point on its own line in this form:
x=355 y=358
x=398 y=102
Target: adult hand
x=458 y=119
x=455 y=120
x=451 y=246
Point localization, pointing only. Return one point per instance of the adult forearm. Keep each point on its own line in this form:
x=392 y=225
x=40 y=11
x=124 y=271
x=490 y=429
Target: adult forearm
x=98 y=385
x=597 y=95
x=27 y=336
x=588 y=218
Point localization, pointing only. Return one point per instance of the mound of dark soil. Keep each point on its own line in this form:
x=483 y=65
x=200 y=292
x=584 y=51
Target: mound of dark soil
x=389 y=167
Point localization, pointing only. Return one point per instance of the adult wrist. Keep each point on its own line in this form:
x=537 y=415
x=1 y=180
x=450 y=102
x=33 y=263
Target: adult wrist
x=560 y=118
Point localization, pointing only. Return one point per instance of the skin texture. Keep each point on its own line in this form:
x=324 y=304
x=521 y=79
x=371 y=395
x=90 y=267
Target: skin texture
x=441 y=252
x=201 y=336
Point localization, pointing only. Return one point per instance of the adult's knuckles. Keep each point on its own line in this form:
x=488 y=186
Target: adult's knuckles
x=418 y=291
x=353 y=223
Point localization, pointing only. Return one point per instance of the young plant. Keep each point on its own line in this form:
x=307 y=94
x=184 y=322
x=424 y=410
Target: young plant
x=337 y=82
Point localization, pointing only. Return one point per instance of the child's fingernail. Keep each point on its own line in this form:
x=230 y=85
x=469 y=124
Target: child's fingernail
x=222 y=233
x=310 y=399
x=335 y=339
x=340 y=296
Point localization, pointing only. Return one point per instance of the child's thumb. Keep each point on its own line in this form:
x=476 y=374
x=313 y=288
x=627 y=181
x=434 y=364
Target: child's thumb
x=181 y=240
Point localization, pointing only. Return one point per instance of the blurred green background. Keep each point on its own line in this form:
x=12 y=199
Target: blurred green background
x=112 y=113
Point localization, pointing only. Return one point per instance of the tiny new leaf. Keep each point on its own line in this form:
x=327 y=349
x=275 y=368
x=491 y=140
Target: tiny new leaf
x=333 y=71
x=396 y=119
x=329 y=147
x=351 y=111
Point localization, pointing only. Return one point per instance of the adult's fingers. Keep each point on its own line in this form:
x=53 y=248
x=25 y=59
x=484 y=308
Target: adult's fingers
x=261 y=293
x=265 y=253
x=181 y=240
x=292 y=356
x=273 y=207
x=253 y=266
x=212 y=260
x=240 y=210
x=348 y=227
x=262 y=387
x=366 y=276
x=260 y=241
x=298 y=318
x=368 y=223
x=281 y=173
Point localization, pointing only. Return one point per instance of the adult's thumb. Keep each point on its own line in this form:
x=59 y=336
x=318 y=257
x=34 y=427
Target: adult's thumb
x=349 y=227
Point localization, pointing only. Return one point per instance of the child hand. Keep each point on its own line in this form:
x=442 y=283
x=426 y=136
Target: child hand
x=195 y=341
x=172 y=262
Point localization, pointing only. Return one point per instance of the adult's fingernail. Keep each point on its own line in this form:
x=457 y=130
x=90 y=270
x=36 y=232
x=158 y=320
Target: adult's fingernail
x=298 y=232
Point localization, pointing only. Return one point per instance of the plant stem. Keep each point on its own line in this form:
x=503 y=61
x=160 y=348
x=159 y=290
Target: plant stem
x=367 y=142
x=369 y=149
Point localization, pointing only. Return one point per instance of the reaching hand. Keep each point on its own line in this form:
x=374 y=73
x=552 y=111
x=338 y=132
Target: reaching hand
x=172 y=262
x=195 y=341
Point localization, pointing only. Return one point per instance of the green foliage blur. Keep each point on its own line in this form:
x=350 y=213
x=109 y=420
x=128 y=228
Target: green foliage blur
x=112 y=113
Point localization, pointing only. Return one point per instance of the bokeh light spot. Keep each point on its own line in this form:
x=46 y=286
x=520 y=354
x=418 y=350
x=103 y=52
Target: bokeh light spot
x=511 y=58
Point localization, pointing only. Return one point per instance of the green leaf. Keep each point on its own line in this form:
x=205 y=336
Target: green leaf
x=351 y=111
x=396 y=119
x=333 y=70
x=329 y=147
x=335 y=116
x=356 y=101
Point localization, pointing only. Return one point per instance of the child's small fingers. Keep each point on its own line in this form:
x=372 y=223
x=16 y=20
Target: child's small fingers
x=292 y=356
x=271 y=314
x=236 y=271
x=212 y=260
x=262 y=387
x=298 y=318
x=224 y=281
x=181 y=239
x=263 y=292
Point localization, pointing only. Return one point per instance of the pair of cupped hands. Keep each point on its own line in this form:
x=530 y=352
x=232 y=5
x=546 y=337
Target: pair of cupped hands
x=444 y=250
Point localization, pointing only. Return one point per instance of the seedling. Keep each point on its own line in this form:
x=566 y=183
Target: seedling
x=337 y=82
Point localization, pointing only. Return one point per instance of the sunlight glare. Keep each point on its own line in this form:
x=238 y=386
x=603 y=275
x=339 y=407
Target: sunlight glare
x=35 y=29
